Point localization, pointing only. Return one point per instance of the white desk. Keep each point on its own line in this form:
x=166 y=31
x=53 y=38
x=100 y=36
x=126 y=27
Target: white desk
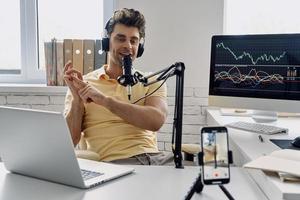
x=246 y=147
x=148 y=182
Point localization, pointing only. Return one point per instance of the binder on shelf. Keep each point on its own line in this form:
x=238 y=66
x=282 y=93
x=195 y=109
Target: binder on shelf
x=78 y=55
x=100 y=56
x=88 y=56
x=68 y=50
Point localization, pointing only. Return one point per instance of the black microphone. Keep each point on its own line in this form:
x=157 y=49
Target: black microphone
x=127 y=66
x=127 y=79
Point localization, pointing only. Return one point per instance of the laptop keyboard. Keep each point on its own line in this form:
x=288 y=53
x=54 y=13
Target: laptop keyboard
x=89 y=174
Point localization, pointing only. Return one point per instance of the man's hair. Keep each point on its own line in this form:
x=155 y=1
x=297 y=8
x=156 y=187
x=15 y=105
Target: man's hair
x=127 y=17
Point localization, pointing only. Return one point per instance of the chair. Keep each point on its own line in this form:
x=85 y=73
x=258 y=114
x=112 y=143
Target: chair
x=82 y=152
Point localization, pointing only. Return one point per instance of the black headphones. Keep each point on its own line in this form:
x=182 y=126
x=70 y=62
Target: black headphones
x=105 y=42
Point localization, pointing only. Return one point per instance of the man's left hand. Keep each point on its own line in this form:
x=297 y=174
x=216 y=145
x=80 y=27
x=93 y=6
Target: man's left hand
x=87 y=92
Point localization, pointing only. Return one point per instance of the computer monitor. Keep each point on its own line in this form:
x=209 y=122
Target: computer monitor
x=259 y=72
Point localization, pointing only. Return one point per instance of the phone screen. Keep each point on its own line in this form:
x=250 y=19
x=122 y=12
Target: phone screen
x=214 y=142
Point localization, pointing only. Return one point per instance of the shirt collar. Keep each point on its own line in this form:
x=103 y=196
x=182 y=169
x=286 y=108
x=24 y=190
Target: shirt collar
x=103 y=76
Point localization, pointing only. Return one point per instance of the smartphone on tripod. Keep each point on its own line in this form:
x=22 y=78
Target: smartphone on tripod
x=214 y=145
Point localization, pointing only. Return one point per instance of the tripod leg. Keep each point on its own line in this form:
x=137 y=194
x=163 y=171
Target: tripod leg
x=197 y=187
x=226 y=192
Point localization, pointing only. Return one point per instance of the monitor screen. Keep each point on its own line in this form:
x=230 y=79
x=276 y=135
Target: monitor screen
x=255 y=72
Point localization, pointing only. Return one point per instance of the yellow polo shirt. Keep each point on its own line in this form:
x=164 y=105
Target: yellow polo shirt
x=109 y=135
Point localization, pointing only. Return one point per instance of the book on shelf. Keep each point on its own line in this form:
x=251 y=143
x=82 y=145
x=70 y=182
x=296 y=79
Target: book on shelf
x=285 y=162
x=59 y=63
x=50 y=62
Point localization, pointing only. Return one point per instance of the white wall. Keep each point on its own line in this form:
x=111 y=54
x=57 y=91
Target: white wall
x=179 y=30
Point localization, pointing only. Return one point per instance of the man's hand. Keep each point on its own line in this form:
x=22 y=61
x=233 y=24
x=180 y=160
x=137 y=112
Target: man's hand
x=75 y=113
x=69 y=73
x=87 y=92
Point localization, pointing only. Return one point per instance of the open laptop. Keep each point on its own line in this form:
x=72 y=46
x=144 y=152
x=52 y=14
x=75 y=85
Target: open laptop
x=38 y=144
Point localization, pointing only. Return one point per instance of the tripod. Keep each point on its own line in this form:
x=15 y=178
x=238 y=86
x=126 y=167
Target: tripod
x=198 y=185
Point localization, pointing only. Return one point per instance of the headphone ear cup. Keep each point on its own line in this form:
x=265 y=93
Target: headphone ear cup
x=105 y=44
x=140 y=50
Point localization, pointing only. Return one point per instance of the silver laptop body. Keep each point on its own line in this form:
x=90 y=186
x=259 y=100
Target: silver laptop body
x=38 y=144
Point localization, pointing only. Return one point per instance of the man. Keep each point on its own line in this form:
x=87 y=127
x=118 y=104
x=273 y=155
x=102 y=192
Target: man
x=98 y=107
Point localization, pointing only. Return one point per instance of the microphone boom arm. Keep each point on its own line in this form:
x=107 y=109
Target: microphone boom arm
x=178 y=70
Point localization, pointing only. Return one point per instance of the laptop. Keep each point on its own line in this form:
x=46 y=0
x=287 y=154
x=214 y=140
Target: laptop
x=38 y=144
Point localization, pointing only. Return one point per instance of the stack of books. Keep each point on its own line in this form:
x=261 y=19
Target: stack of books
x=85 y=54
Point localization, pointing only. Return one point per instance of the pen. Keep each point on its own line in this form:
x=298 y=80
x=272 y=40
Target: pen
x=261 y=139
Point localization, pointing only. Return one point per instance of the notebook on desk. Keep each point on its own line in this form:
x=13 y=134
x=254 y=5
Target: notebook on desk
x=38 y=144
x=285 y=162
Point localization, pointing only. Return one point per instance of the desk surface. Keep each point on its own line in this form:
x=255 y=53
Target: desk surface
x=147 y=182
x=246 y=146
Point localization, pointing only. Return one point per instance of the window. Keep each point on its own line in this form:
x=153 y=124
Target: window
x=261 y=16
x=26 y=25
x=10 y=48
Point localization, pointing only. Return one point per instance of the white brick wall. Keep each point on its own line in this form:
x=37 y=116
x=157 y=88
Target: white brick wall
x=57 y=99
x=41 y=98
x=37 y=100
x=194 y=110
x=194 y=117
x=2 y=100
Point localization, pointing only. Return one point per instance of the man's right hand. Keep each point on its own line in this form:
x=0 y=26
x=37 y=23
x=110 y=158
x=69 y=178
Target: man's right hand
x=68 y=73
x=74 y=114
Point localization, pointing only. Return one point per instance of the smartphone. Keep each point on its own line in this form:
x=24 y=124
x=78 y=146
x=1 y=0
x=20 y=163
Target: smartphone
x=214 y=145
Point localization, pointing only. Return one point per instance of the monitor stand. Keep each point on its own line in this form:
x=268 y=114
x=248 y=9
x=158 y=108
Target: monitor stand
x=261 y=116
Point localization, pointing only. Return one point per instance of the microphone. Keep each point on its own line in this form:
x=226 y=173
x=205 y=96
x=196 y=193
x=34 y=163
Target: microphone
x=127 y=79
